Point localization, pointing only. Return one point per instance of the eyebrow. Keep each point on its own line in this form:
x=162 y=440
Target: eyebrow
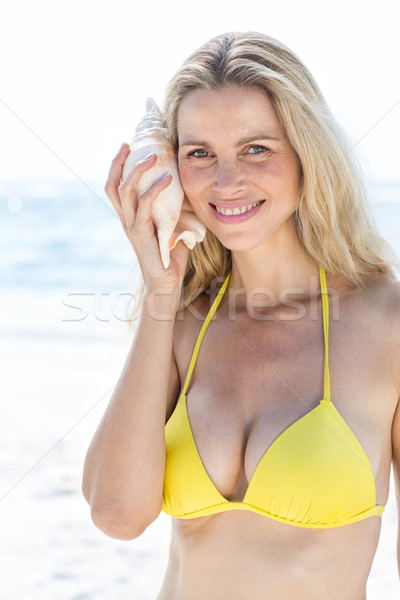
x=246 y=140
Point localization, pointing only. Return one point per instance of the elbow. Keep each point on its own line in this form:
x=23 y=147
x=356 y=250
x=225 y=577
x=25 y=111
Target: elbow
x=115 y=527
x=121 y=524
x=86 y=491
x=118 y=518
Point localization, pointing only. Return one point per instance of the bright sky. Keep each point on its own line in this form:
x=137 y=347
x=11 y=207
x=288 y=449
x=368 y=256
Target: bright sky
x=75 y=74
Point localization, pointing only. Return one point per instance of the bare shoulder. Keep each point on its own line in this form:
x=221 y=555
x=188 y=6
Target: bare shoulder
x=383 y=296
x=390 y=299
x=369 y=324
x=381 y=300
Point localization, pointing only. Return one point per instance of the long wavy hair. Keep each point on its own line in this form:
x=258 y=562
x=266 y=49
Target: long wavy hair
x=333 y=219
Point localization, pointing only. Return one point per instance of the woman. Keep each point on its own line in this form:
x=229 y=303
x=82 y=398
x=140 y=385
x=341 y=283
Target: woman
x=273 y=460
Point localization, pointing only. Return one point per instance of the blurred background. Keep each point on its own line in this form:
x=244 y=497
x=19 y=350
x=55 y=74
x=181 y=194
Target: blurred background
x=74 y=78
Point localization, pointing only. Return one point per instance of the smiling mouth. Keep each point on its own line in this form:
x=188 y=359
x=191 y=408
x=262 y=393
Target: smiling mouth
x=236 y=211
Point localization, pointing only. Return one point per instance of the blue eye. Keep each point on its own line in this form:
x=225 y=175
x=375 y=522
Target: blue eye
x=199 y=153
x=257 y=149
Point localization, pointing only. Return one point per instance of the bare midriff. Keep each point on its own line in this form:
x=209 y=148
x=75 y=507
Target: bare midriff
x=243 y=556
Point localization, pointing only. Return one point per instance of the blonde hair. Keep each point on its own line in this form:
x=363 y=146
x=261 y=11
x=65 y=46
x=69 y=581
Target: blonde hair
x=333 y=220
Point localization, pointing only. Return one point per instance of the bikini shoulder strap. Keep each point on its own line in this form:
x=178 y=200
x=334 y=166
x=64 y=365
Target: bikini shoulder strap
x=203 y=330
x=325 y=315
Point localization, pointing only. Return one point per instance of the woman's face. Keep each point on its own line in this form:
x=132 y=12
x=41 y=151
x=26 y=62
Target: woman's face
x=232 y=154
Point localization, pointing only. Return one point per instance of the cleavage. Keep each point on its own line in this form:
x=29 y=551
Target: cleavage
x=232 y=433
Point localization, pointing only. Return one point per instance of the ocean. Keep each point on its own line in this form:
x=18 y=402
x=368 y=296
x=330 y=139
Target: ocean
x=67 y=271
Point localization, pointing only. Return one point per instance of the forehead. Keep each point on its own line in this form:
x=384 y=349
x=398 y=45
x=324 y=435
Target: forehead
x=230 y=108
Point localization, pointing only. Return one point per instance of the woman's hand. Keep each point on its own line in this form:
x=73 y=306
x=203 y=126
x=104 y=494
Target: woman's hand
x=134 y=212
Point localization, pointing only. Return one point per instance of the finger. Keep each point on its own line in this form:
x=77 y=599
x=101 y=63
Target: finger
x=132 y=179
x=143 y=215
x=114 y=178
x=115 y=172
x=127 y=190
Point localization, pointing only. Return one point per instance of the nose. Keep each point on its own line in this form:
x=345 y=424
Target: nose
x=229 y=179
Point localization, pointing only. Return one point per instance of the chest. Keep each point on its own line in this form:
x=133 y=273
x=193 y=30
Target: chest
x=254 y=379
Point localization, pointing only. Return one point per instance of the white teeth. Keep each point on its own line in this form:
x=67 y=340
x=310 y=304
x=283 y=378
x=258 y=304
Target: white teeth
x=237 y=211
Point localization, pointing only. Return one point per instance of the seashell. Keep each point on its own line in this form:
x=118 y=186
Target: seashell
x=172 y=214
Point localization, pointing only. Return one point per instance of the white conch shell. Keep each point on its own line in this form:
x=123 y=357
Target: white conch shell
x=172 y=214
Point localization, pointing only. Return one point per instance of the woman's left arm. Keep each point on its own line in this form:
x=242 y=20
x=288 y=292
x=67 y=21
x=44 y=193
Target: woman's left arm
x=396 y=471
x=395 y=329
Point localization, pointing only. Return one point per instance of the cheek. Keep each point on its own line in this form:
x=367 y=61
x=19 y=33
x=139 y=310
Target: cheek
x=280 y=170
x=193 y=180
x=281 y=165
x=287 y=165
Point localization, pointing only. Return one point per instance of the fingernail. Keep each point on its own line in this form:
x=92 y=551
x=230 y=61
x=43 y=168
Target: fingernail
x=123 y=144
x=165 y=176
x=149 y=157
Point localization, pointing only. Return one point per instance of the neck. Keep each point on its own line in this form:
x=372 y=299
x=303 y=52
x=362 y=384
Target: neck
x=274 y=271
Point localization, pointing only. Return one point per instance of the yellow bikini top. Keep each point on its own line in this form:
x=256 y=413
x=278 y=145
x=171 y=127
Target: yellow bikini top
x=315 y=474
